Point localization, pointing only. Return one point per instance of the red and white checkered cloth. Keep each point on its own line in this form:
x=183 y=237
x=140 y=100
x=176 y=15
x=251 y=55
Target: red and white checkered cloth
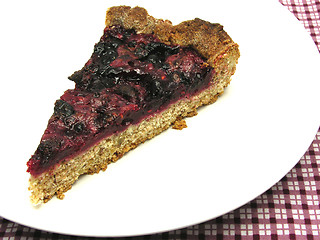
x=289 y=210
x=308 y=12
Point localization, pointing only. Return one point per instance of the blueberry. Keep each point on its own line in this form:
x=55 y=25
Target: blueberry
x=165 y=66
x=68 y=121
x=153 y=45
x=154 y=88
x=184 y=79
x=154 y=59
x=103 y=118
x=128 y=33
x=107 y=50
x=111 y=54
x=132 y=44
x=115 y=43
x=108 y=46
x=108 y=56
x=155 y=52
x=47 y=149
x=99 y=48
x=79 y=127
x=96 y=85
x=63 y=108
x=141 y=51
x=94 y=69
x=104 y=70
x=113 y=71
x=76 y=76
x=133 y=77
x=127 y=92
x=108 y=82
x=171 y=50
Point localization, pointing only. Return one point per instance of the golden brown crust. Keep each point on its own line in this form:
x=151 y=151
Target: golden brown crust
x=179 y=124
x=208 y=39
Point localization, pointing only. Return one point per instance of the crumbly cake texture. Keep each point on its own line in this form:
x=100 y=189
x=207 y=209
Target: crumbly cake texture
x=210 y=40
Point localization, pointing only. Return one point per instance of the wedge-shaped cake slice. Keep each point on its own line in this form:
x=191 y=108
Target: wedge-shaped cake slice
x=143 y=76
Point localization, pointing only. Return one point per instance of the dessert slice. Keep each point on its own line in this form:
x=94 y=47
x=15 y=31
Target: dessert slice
x=144 y=75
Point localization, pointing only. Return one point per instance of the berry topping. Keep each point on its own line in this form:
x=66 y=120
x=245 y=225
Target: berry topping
x=63 y=109
x=128 y=77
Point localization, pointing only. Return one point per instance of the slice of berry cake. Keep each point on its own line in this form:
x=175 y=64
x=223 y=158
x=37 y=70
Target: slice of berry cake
x=144 y=75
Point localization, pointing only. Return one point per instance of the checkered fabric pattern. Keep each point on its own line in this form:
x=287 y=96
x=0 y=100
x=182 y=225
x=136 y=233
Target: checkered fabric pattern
x=289 y=210
x=308 y=12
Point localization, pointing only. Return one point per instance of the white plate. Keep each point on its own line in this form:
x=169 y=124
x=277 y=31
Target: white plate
x=231 y=152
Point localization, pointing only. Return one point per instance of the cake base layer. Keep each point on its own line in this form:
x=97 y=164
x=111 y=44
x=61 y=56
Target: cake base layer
x=60 y=179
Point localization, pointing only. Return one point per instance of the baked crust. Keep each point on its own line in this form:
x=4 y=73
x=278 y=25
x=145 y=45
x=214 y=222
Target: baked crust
x=210 y=40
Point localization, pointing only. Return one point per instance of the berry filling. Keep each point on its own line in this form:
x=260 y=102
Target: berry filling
x=129 y=76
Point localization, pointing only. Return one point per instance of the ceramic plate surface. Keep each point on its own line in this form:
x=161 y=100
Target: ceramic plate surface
x=231 y=152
